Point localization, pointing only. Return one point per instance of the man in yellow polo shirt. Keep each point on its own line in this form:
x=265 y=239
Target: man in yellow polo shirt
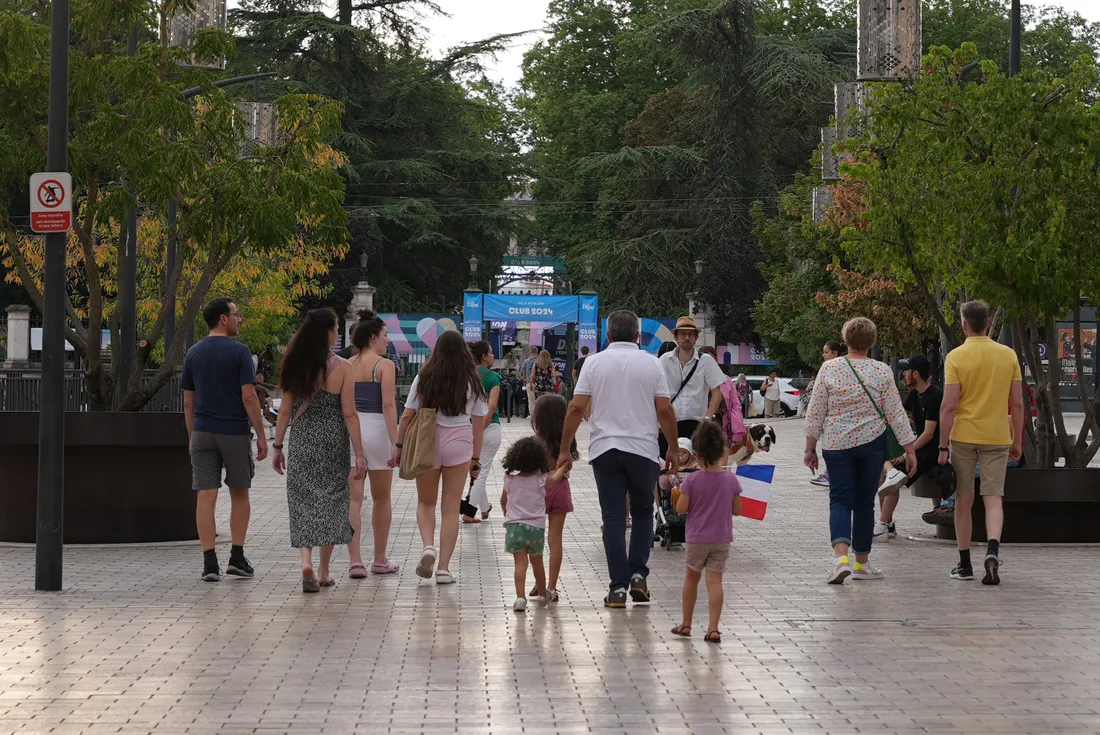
x=982 y=379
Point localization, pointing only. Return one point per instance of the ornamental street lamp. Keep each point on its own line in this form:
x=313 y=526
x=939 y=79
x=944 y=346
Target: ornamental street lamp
x=473 y=274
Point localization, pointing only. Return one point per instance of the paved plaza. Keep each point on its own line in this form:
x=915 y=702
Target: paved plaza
x=137 y=643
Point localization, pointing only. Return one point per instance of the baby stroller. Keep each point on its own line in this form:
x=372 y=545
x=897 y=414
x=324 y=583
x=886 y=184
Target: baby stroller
x=669 y=526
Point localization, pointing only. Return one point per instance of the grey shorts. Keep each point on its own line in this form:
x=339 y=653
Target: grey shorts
x=211 y=453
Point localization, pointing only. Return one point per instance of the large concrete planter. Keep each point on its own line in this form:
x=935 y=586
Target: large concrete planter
x=127 y=478
x=1054 y=506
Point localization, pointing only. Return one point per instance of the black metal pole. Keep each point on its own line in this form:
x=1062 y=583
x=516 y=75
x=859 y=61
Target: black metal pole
x=51 y=417
x=127 y=277
x=1014 y=40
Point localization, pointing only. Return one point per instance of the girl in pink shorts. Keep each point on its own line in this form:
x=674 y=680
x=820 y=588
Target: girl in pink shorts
x=548 y=418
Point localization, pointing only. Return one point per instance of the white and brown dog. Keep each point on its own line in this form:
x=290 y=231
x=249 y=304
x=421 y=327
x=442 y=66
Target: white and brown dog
x=759 y=438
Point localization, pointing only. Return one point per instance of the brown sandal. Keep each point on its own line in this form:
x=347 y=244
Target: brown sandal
x=713 y=637
x=309 y=584
x=684 y=631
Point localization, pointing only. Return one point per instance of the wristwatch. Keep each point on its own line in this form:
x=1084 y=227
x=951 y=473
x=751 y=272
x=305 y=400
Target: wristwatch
x=945 y=449
x=398 y=445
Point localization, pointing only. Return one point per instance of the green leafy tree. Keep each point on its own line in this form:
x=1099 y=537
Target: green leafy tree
x=989 y=189
x=130 y=128
x=429 y=145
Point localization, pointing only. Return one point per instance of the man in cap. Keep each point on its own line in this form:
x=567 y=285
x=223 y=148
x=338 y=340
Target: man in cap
x=694 y=381
x=923 y=405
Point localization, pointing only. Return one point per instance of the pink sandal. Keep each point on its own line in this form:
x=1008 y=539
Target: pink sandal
x=389 y=566
x=357 y=571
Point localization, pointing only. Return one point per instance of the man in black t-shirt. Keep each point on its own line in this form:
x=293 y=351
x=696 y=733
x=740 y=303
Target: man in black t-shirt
x=923 y=406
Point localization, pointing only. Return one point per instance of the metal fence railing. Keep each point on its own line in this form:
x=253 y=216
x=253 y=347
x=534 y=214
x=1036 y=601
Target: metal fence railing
x=20 y=390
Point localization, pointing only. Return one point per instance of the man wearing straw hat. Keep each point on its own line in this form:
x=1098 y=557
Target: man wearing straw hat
x=694 y=381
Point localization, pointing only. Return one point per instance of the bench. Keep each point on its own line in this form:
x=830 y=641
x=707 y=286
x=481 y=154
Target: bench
x=1054 y=506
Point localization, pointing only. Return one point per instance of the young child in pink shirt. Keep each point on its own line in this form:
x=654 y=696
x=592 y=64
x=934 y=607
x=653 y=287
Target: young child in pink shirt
x=710 y=499
x=530 y=473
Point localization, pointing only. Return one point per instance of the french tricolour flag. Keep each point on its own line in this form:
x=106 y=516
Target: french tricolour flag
x=756 y=486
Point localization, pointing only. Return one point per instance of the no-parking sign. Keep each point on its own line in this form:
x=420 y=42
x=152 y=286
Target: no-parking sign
x=51 y=202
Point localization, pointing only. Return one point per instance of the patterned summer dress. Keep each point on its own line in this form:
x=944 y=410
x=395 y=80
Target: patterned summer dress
x=317 y=467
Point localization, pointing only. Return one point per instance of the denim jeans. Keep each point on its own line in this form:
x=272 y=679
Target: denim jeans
x=853 y=483
x=618 y=475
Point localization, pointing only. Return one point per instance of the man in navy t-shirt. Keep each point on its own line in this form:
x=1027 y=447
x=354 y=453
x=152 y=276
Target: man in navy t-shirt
x=221 y=407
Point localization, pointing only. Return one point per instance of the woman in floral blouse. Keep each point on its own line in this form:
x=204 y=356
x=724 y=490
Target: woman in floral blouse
x=853 y=399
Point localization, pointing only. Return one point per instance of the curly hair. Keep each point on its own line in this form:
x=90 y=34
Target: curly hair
x=548 y=418
x=526 y=456
x=709 y=443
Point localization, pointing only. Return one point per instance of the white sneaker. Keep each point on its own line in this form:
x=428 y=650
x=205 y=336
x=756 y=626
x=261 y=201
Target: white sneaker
x=866 y=572
x=821 y=481
x=894 y=478
x=841 y=570
x=520 y=605
x=882 y=527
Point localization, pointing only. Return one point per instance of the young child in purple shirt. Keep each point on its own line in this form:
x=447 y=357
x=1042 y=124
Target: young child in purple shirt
x=710 y=499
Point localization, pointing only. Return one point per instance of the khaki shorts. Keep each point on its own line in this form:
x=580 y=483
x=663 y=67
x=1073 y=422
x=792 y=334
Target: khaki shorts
x=711 y=557
x=993 y=460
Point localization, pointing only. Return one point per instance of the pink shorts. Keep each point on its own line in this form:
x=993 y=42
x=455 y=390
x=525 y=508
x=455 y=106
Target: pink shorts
x=454 y=445
x=559 y=499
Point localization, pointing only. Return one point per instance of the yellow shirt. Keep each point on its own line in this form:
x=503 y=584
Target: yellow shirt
x=985 y=371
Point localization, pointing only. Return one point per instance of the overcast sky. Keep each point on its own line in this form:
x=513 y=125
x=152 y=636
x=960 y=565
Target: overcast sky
x=472 y=20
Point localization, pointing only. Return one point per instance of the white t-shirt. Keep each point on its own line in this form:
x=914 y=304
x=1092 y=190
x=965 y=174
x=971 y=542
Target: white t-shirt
x=623 y=382
x=474 y=407
x=772 y=391
x=694 y=399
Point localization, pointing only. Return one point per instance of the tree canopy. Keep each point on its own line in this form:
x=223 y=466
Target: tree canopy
x=131 y=129
x=989 y=189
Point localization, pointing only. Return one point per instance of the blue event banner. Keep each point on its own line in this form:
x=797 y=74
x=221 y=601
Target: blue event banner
x=550 y=309
x=588 y=328
x=472 y=317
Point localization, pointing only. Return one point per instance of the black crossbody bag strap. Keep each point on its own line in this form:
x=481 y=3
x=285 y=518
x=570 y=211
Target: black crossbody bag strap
x=687 y=380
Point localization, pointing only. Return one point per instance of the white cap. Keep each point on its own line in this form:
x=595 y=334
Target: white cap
x=685 y=444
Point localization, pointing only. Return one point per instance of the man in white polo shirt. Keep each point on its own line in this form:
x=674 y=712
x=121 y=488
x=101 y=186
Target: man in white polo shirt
x=694 y=381
x=628 y=394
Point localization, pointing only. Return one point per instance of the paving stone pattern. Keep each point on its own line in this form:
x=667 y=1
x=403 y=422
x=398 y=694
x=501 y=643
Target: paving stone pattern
x=137 y=643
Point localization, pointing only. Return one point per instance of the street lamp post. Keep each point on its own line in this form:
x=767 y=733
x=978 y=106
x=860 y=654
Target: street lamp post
x=473 y=274
x=49 y=534
x=1014 y=40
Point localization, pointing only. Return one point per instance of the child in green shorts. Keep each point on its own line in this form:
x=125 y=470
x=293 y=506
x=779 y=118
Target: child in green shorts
x=530 y=472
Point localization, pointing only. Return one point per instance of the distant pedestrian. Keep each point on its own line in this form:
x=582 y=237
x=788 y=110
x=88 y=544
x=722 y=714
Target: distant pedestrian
x=219 y=403
x=579 y=364
x=710 y=499
x=449 y=383
x=855 y=401
x=981 y=376
x=744 y=393
x=628 y=392
x=543 y=377
x=491 y=382
x=831 y=350
x=549 y=425
x=772 y=396
x=319 y=388
x=530 y=475
x=375 y=381
x=264 y=392
x=525 y=374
